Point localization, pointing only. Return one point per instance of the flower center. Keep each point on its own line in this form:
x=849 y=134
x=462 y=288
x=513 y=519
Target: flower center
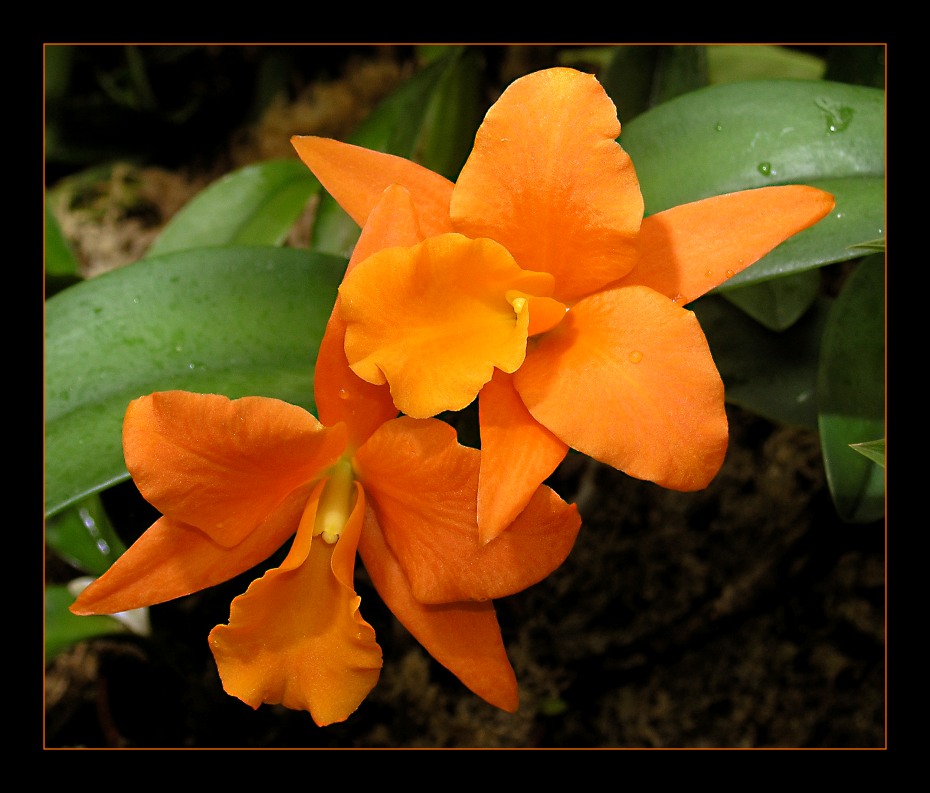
x=336 y=502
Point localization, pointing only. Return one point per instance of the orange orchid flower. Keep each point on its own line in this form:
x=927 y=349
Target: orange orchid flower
x=235 y=479
x=537 y=283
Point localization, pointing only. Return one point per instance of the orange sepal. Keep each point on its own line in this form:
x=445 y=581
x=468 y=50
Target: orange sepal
x=172 y=559
x=548 y=181
x=223 y=465
x=423 y=486
x=517 y=455
x=434 y=320
x=356 y=177
x=688 y=250
x=628 y=379
x=463 y=637
x=296 y=637
x=341 y=395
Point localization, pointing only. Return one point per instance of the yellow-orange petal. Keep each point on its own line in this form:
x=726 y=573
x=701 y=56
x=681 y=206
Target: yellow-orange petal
x=517 y=455
x=341 y=395
x=548 y=181
x=423 y=486
x=296 y=637
x=356 y=177
x=464 y=637
x=434 y=320
x=172 y=559
x=223 y=465
x=628 y=379
x=688 y=250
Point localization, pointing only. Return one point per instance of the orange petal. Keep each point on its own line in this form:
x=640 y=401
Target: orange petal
x=296 y=637
x=356 y=177
x=172 y=559
x=517 y=455
x=687 y=250
x=423 y=487
x=627 y=378
x=341 y=395
x=464 y=637
x=434 y=320
x=223 y=465
x=548 y=181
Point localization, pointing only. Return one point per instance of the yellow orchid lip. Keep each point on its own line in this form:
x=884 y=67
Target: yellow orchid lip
x=435 y=319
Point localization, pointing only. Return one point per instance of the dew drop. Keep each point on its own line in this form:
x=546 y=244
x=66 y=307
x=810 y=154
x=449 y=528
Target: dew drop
x=679 y=298
x=343 y=393
x=729 y=273
x=837 y=116
x=636 y=356
x=765 y=168
x=718 y=127
x=709 y=273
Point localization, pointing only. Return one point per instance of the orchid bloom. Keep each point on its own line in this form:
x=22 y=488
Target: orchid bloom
x=235 y=479
x=537 y=284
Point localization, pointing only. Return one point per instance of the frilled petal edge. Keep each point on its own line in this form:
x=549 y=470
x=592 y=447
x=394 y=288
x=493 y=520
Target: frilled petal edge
x=296 y=637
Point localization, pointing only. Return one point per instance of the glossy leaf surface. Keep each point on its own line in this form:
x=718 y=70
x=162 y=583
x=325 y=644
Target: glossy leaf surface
x=83 y=536
x=235 y=321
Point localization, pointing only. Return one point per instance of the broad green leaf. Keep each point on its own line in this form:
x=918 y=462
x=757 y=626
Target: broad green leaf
x=844 y=234
x=83 y=536
x=874 y=450
x=431 y=119
x=851 y=389
x=256 y=205
x=730 y=63
x=752 y=134
x=780 y=302
x=741 y=136
x=769 y=373
x=62 y=628
x=236 y=321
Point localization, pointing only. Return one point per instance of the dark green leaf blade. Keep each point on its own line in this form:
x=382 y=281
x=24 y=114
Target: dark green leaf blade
x=769 y=373
x=851 y=389
x=84 y=537
x=237 y=321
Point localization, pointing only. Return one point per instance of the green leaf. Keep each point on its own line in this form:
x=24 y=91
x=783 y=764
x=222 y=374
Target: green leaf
x=730 y=63
x=874 y=450
x=62 y=628
x=740 y=136
x=859 y=216
x=778 y=303
x=769 y=373
x=431 y=119
x=84 y=537
x=256 y=205
x=639 y=77
x=59 y=258
x=851 y=390
x=235 y=321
